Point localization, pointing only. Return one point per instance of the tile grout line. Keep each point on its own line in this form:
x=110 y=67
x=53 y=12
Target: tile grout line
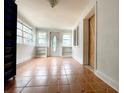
x=67 y=79
x=25 y=85
x=82 y=90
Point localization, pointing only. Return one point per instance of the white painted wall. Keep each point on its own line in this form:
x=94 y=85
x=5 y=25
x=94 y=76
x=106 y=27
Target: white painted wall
x=77 y=51
x=107 y=40
x=25 y=52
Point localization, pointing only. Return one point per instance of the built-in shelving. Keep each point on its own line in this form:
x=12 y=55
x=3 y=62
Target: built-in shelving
x=67 y=51
x=10 y=23
x=41 y=51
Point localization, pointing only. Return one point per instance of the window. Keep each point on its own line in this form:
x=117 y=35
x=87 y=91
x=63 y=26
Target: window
x=67 y=40
x=24 y=33
x=42 y=39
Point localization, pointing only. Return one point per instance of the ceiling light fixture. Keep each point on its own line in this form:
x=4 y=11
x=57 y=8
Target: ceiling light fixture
x=52 y=2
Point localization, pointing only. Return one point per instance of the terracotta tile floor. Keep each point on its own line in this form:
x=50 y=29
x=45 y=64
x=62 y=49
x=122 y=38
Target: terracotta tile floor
x=55 y=75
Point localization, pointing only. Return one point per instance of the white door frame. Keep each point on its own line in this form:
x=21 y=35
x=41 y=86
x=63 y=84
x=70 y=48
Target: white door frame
x=91 y=13
x=58 y=43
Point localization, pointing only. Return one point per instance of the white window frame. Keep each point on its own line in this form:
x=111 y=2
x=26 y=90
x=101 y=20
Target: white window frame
x=23 y=38
x=70 y=34
x=38 y=38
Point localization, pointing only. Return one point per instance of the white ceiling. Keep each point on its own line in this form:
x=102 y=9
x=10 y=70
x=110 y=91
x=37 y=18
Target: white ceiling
x=63 y=16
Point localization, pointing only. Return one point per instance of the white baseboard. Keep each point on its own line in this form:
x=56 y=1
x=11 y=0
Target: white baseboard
x=23 y=59
x=77 y=59
x=107 y=80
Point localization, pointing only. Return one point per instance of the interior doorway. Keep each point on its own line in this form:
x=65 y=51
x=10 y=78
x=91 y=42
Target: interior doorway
x=54 y=44
x=89 y=39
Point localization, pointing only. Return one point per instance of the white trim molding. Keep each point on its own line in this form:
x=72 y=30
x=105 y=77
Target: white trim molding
x=107 y=80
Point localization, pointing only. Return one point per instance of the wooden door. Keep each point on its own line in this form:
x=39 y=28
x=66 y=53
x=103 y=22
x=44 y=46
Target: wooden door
x=91 y=40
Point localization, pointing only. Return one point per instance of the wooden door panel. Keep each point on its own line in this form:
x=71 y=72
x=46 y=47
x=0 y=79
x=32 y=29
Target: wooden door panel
x=91 y=40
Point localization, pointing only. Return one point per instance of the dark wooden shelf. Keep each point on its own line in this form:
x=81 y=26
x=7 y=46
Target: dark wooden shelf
x=10 y=24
